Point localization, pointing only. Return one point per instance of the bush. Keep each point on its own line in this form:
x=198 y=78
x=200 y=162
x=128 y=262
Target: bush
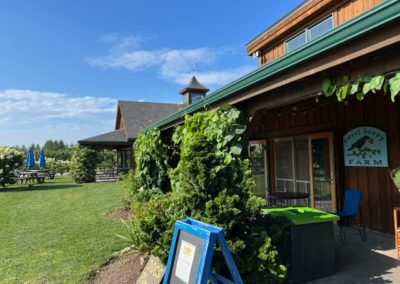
x=212 y=183
x=57 y=166
x=83 y=164
x=107 y=159
x=10 y=161
x=131 y=186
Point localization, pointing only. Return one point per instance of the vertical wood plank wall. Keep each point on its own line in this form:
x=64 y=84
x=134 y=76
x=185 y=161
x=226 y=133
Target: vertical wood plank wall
x=341 y=15
x=379 y=195
x=352 y=9
x=120 y=123
x=272 y=54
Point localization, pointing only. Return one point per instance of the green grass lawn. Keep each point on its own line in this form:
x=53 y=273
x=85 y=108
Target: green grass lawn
x=56 y=232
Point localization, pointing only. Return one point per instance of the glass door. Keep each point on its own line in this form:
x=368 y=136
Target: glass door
x=258 y=160
x=291 y=164
x=284 y=165
x=322 y=172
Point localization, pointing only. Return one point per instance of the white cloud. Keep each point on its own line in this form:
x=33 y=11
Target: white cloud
x=174 y=65
x=39 y=106
x=31 y=116
x=121 y=42
x=217 y=78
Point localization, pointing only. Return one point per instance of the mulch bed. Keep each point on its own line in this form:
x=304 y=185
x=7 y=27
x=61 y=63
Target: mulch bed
x=122 y=270
x=120 y=214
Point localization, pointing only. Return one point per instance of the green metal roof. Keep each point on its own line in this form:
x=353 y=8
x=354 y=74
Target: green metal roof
x=376 y=17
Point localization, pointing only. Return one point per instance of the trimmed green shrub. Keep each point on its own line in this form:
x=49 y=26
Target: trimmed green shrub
x=10 y=161
x=212 y=183
x=83 y=164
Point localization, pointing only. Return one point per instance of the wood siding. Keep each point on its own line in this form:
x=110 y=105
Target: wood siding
x=379 y=195
x=308 y=12
x=342 y=12
x=271 y=54
x=352 y=9
x=291 y=110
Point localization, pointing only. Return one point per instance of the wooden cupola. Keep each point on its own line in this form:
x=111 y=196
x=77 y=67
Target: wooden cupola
x=193 y=92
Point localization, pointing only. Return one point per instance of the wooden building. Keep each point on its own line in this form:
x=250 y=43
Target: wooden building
x=299 y=139
x=131 y=117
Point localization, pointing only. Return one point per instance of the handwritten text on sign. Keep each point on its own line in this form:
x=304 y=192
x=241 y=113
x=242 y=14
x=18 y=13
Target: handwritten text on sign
x=365 y=147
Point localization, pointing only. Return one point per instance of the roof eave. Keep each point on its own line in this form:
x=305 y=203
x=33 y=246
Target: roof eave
x=282 y=19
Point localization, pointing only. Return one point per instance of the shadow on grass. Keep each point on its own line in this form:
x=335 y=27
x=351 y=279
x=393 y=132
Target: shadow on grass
x=33 y=187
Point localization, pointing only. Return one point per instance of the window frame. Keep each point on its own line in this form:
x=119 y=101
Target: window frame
x=308 y=29
x=307 y=32
x=295 y=36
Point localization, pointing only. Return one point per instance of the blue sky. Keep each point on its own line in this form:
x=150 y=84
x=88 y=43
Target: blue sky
x=64 y=64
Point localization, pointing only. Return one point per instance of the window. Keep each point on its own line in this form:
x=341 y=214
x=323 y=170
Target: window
x=309 y=34
x=321 y=28
x=196 y=97
x=186 y=99
x=296 y=42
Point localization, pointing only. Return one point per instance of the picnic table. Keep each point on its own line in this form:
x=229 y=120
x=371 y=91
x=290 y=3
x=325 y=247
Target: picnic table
x=35 y=175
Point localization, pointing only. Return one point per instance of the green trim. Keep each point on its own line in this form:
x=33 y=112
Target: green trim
x=376 y=17
x=302 y=215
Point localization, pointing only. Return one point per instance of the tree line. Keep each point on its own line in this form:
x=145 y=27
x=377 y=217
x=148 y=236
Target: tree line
x=57 y=149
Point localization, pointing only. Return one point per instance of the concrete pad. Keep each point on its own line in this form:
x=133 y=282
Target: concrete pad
x=372 y=261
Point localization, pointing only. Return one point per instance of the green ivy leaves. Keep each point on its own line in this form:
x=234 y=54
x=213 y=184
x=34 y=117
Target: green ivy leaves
x=151 y=159
x=394 y=84
x=341 y=92
x=328 y=87
x=362 y=86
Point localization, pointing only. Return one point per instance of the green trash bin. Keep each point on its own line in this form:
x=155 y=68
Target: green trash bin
x=310 y=250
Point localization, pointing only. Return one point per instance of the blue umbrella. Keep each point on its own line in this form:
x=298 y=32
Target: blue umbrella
x=30 y=159
x=42 y=161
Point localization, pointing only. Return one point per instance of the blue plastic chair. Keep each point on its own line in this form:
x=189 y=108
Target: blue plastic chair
x=351 y=208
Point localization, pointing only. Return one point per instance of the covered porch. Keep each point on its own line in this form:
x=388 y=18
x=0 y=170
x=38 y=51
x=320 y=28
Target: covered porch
x=296 y=136
x=117 y=141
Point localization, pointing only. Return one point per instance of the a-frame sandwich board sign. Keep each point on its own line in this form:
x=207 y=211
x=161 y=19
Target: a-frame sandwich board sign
x=191 y=254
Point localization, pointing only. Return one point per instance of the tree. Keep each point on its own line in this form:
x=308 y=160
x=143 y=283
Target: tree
x=83 y=164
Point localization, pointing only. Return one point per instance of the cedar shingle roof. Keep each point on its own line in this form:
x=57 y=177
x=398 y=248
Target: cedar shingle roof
x=116 y=137
x=136 y=115
x=194 y=85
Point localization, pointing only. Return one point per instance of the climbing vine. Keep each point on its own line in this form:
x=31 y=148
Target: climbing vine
x=362 y=86
x=151 y=160
x=211 y=182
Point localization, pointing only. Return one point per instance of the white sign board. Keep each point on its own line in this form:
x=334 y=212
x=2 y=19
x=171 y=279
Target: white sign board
x=365 y=147
x=185 y=261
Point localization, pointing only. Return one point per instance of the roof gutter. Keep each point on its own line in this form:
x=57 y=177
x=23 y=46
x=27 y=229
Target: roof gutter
x=376 y=17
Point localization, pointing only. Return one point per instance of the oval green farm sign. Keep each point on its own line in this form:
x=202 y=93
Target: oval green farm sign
x=365 y=147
